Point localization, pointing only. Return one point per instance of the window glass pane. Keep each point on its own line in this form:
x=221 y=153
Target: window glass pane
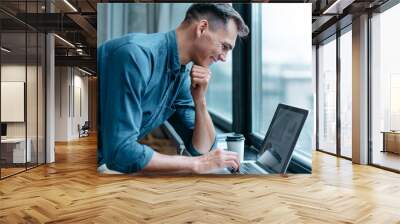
x=327 y=96
x=32 y=72
x=283 y=73
x=386 y=88
x=41 y=98
x=13 y=88
x=219 y=95
x=31 y=100
x=345 y=94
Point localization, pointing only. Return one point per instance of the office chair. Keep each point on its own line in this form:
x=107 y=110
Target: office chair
x=84 y=130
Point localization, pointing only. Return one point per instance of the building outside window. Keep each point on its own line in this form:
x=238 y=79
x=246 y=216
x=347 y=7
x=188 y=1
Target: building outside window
x=346 y=94
x=327 y=95
x=282 y=70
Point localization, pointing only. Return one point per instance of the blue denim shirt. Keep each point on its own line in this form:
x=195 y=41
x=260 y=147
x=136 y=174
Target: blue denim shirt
x=141 y=85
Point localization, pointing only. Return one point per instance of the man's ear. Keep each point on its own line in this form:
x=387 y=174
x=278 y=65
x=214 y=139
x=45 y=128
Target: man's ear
x=202 y=26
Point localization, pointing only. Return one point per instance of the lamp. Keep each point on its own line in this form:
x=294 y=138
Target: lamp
x=5 y=50
x=70 y=5
x=65 y=41
x=337 y=7
x=84 y=71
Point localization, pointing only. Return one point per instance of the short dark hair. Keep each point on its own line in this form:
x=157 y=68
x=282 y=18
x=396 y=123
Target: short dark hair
x=216 y=12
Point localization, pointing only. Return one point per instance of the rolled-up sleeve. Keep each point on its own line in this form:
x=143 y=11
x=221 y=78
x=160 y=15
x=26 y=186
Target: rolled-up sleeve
x=183 y=120
x=122 y=85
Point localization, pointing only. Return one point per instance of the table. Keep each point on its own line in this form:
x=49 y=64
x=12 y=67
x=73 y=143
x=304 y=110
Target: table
x=391 y=141
x=13 y=150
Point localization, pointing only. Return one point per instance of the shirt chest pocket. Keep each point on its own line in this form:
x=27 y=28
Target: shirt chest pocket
x=155 y=115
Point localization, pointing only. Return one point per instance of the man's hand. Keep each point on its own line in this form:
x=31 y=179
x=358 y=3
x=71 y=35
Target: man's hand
x=215 y=159
x=199 y=77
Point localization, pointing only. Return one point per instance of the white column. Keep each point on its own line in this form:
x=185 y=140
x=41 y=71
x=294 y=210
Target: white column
x=50 y=91
x=360 y=90
x=50 y=110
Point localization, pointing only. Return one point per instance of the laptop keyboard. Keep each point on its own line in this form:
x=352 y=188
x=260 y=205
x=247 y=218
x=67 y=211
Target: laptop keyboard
x=248 y=168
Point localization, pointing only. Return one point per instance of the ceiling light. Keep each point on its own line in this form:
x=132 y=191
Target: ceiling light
x=79 y=51
x=65 y=41
x=5 y=50
x=337 y=7
x=86 y=72
x=71 y=6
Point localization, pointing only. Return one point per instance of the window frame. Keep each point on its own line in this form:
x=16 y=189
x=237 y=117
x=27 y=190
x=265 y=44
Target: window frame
x=342 y=32
x=343 y=23
x=380 y=9
x=28 y=29
x=334 y=36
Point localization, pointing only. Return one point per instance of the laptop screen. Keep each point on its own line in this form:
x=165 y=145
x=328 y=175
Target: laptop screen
x=3 y=129
x=281 y=138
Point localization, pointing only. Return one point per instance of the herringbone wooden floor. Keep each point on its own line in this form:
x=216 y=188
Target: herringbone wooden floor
x=71 y=191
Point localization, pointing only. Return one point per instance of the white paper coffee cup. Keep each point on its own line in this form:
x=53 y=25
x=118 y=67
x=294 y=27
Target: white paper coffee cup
x=235 y=143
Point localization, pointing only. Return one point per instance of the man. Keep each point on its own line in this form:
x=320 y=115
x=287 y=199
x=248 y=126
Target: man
x=143 y=81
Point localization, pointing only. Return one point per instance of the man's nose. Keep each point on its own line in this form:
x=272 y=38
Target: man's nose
x=222 y=57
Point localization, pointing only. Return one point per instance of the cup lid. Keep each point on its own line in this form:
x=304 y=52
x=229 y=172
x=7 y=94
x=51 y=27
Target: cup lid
x=235 y=137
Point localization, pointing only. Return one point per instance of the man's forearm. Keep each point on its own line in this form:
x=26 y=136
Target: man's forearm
x=204 y=132
x=171 y=164
x=216 y=159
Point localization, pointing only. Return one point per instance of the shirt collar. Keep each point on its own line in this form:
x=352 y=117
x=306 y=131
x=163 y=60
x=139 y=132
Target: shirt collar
x=173 y=53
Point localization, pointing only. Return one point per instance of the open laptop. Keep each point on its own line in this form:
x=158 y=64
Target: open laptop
x=279 y=142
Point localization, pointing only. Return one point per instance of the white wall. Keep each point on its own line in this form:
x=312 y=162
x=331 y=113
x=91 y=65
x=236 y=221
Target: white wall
x=70 y=83
x=61 y=103
x=13 y=73
x=33 y=126
x=79 y=117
